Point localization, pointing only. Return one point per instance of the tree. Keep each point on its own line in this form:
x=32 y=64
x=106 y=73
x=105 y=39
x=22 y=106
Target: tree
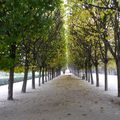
x=111 y=6
x=23 y=23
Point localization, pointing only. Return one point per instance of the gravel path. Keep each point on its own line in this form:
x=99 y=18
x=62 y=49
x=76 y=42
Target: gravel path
x=64 y=98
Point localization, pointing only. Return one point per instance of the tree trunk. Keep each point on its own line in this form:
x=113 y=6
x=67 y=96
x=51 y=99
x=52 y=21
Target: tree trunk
x=86 y=73
x=40 y=76
x=106 y=80
x=33 y=78
x=11 y=74
x=10 y=84
x=53 y=73
x=91 y=76
x=43 y=76
x=25 y=78
x=117 y=41
x=118 y=75
x=46 y=75
x=59 y=71
x=97 y=76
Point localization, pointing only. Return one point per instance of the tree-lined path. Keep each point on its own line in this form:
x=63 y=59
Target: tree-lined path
x=49 y=37
x=64 y=98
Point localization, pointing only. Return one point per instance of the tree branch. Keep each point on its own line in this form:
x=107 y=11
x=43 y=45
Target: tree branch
x=100 y=7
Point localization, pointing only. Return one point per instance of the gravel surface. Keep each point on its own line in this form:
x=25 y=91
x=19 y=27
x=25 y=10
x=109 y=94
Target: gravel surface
x=64 y=98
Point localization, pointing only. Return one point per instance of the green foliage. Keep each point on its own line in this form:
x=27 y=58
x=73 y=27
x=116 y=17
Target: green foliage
x=90 y=25
x=5 y=63
x=35 y=28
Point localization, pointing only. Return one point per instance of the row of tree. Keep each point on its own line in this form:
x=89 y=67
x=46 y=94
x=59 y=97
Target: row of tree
x=94 y=28
x=31 y=39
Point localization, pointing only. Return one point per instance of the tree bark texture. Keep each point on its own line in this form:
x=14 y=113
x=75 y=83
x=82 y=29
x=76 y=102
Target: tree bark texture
x=10 y=84
x=97 y=76
x=33 y=78
x=25 y=79
x=11 y=73
x=40 y=77
x=43 y=76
